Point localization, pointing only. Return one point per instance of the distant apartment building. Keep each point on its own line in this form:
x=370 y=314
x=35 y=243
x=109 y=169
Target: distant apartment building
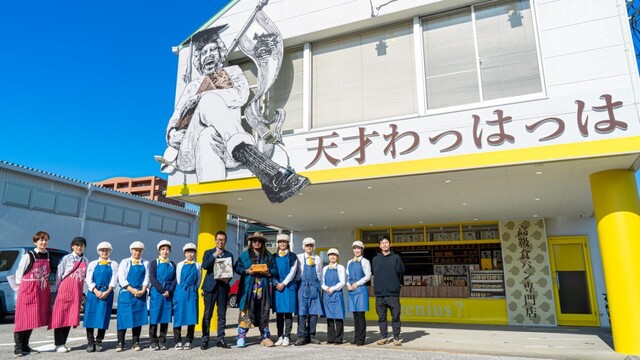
x=150 y=187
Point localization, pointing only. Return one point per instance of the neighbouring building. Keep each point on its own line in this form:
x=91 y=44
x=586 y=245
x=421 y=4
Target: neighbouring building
x=496 y=141
x=150 y=187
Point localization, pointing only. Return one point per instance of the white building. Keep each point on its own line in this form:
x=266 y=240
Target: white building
x=504 y=131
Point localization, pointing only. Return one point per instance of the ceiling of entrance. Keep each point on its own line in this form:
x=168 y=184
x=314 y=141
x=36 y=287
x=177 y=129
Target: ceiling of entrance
x=558 y=189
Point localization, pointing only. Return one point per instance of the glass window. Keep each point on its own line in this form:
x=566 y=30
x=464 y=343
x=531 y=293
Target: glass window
x=17 y=195
x=169 y=225
x=132 y=218
x=183 y=228
x=7 y=258
x=68 y=205
x=114 y=214
x=95 y=211
x=480 y=53
x=155 y=222
x=43 y=200
x=365 y=76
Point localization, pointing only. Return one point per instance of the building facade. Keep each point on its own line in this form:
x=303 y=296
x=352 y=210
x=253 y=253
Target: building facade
x=150 y=187
x=496 y=141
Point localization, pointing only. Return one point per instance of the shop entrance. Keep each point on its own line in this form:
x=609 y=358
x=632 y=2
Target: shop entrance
x=573 y=287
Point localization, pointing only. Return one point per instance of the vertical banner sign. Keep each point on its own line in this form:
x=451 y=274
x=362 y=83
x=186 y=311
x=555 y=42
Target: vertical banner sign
x=529 y=290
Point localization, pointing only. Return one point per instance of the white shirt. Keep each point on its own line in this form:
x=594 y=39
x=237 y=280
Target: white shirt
x=123 y=272
x=366 y=267
x=92 y=267
x=302 y=258
x=292 y=271
x=22 y=265
x=179 y=271
x=342 y=278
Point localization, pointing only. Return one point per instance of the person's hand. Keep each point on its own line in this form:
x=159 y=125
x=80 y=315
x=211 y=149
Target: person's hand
x=280 y=286
x=249 y=271
x=354 y=286
x=175 y=137
x=349 y=287
x=328 y=291
x=165 y=294
x=218 y=253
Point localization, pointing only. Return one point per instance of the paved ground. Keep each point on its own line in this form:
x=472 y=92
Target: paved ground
x=420 y=341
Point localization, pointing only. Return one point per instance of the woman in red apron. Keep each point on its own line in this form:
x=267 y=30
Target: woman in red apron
x=69 y=281
x=34 y=296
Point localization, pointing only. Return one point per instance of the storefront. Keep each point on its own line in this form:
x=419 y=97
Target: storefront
x=496 y=141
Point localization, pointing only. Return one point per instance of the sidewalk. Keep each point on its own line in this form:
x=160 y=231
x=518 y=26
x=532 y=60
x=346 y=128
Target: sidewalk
x=579 y=343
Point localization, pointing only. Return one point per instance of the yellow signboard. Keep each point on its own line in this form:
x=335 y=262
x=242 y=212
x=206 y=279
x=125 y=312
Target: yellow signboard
x=449 y=310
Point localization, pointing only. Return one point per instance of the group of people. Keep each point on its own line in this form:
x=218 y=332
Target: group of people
x=282 y=283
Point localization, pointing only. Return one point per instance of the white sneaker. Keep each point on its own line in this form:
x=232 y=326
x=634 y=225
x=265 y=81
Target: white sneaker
x=62 y=349
x=279 y=342
x=285 y=341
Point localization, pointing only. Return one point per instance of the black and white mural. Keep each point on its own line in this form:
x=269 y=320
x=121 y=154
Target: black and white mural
x=205 y=136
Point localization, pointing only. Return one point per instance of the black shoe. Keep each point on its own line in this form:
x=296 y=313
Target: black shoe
x=204 y=345
x=17 y=353
x=98 y=346
x=300 y=342
x=91 y=348
x=27 y=350
x=222 y=344
x=315 y=341
x=163 y=346
x=154 y=346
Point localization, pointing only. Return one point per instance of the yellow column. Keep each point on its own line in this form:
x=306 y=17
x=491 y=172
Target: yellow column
x=617 y=212
x=213 y=217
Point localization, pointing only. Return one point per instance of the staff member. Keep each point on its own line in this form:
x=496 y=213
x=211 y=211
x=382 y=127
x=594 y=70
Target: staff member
x=102 y=278
x=309 y=280
x=333 y=280
x=388 y=270
x=133 y=276
x=185 y=298
x=358 y=274
x=284 y=297
x=215 y=291
x=33 y=300
x=72 y=271
x=162 y=277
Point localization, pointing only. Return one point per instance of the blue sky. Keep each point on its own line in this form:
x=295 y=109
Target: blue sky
x=88 y=86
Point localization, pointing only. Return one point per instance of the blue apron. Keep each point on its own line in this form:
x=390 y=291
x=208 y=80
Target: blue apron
x=284 y=301
x=334 y=303
x=132 y=311
x=185 y=298
x=160 y=307
x=97 y=312
x=358 y=299
x=309 y=292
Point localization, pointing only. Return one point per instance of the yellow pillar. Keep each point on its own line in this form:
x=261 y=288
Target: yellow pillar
x=213 y=217
x=617 y=212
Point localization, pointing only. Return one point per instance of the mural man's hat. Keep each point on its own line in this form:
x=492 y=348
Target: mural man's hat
x=206 y=36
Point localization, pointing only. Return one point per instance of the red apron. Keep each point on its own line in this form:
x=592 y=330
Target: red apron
x=66 y=309
x=33 y=304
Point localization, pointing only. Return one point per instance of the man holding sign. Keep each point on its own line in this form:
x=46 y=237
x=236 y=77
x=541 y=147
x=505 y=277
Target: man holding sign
x=215 y=289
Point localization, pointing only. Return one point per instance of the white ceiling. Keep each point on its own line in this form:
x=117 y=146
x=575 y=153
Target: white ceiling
x=560 y=190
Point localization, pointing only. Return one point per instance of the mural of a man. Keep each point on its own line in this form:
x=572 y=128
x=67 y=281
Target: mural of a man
x=205 y=134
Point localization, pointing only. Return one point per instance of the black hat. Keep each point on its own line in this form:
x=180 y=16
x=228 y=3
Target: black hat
x=206 y=36
x=79 y=240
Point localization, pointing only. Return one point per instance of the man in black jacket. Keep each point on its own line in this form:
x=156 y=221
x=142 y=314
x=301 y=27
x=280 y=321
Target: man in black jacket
x=388 y=271
x=215 y=292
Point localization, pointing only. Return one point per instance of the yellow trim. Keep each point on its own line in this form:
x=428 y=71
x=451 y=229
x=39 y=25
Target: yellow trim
x=447 y=163
x=448 y=310
x=592 y=319
x=617 y=210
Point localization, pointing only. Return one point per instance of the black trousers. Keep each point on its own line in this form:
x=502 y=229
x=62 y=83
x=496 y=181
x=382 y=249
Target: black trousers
x=360 y=327
x=335 y=331
x=60 y=335
x=177 y=333
x=135 y=334
x=217 y=297
x=307 y=326
x=153 y=331
x=21 y=338
x=284 y=323
x=391 y=303
x=91 y=340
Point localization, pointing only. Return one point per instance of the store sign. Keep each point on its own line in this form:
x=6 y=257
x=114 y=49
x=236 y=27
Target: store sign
x=449 y=310
x=481 y=132
x=529 y=290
